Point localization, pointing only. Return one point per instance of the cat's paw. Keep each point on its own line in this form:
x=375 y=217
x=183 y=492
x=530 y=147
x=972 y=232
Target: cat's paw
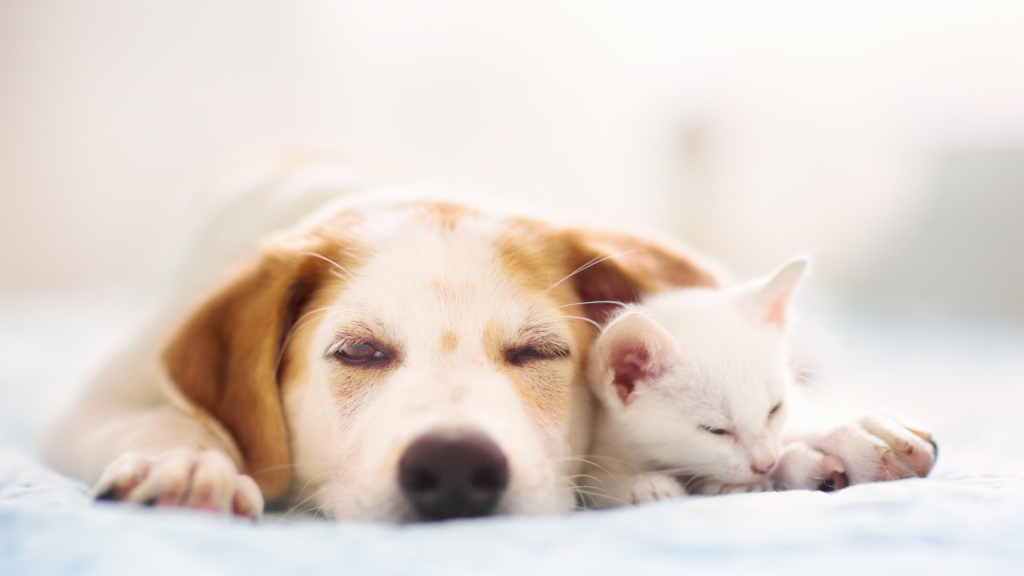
x=184 y=477
x=871 y=448
x=764 y=485
x=712 y=488
x=803 y=467
x=651 y=486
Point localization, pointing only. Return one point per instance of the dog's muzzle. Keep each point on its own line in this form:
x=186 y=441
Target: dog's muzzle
x=453 y=474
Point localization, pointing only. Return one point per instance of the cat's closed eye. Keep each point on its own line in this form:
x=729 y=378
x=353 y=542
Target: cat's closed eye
x=715 y=431
x=774 y=410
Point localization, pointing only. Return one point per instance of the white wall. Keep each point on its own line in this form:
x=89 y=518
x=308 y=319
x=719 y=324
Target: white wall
x=752 y=129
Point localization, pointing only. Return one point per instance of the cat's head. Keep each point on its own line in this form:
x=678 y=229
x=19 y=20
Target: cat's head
x=696 y=380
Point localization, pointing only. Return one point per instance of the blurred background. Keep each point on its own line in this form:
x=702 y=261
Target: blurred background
x=885 y=136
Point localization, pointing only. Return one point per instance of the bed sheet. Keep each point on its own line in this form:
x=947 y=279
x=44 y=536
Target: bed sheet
x=965 y=379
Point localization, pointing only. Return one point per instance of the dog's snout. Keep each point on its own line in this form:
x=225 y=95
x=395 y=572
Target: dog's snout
x=453 y=474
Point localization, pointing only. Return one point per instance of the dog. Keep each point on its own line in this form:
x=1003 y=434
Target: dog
x=372 y=354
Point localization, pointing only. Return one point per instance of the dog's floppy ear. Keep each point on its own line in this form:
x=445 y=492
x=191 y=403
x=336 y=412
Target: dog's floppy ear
x=224 y=357
x=619 y=267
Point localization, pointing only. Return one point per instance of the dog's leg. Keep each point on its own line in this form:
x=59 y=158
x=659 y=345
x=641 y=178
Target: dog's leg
x=869 y=448
x=159 y=456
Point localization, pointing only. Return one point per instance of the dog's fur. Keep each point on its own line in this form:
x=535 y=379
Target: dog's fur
x=235 y=394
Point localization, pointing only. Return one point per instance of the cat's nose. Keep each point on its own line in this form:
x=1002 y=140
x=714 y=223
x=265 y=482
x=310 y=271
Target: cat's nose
x=762 y=467
x=453 y=474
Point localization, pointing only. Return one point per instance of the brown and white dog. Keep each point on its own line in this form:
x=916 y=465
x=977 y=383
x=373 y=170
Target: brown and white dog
x=383 y=359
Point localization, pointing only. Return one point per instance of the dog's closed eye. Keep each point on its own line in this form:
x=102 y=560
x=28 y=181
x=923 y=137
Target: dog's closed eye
x=522 y=355
x=360 y=354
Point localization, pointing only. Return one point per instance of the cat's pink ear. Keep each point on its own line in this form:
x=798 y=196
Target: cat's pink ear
x=772 y=298
x=632 y=351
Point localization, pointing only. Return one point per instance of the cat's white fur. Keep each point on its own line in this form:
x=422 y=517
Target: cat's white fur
x=692 y=388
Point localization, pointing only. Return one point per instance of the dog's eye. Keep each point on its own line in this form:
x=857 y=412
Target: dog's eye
x=775 y=409
x=526 y=354
x=360 y=353
x=715 y=431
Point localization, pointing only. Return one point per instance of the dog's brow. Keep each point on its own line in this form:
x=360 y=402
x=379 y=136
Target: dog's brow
x=542 y=333
x=368 y=329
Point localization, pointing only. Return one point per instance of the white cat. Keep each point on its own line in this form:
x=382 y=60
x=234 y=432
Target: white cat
x=693 y=390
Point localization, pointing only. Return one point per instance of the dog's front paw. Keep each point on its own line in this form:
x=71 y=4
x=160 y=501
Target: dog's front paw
x=871 y=448
x=185 y=477
x=651 y=486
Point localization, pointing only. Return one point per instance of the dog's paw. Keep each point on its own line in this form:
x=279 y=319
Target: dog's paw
x=651 y=486
x=871 y=448
x=185 y=477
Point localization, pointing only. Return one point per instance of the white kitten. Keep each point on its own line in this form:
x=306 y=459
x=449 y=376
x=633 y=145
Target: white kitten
x=693 y=392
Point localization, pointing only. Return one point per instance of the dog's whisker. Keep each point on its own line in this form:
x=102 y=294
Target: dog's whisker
x=586 y=458
x=291 y=332
x=593 y=262
x=595 y=324
x=605 y=495
x=589 y=459
x=299 y=504
x=614 y=302
x=315 y=493
x=322 y=257
x=596 y=479
x=311 y=480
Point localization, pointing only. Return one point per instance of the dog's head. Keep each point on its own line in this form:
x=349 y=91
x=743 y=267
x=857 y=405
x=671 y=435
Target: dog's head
x=420 y=361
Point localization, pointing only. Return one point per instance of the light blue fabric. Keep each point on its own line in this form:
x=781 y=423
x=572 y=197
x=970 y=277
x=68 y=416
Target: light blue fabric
x=968 y=518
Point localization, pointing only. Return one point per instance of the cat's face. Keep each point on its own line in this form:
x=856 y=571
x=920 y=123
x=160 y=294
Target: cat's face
x=695 y=381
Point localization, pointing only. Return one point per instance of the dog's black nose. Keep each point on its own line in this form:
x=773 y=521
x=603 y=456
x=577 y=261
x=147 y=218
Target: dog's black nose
x=453 y=474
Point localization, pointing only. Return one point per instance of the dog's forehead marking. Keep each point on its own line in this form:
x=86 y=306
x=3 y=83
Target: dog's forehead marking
x=449 y=341
x=441 y=214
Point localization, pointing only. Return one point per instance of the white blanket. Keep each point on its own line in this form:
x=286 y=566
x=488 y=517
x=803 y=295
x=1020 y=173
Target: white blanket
x=966 y=381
